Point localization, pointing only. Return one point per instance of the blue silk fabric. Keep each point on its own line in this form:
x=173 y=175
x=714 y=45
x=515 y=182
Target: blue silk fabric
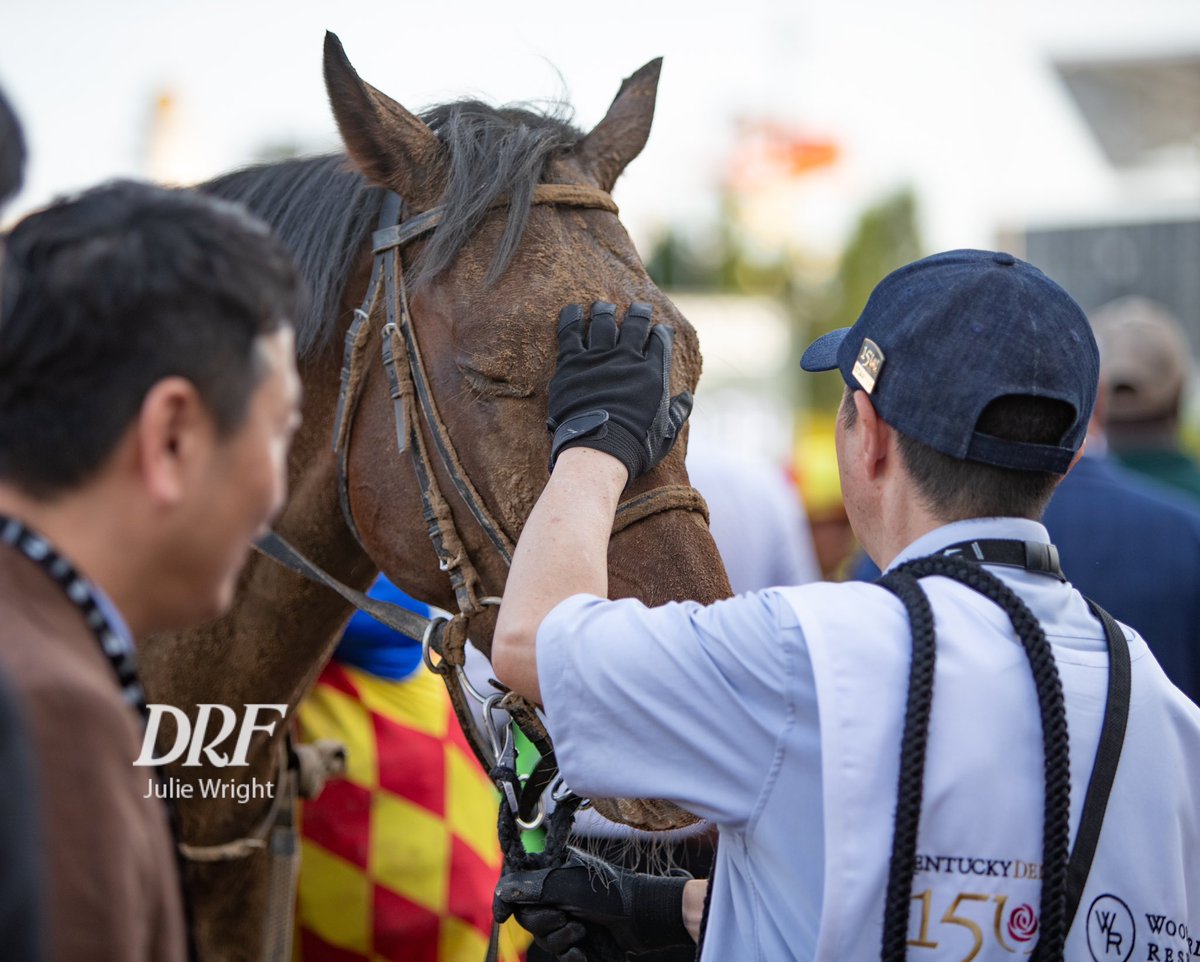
x=373 y=647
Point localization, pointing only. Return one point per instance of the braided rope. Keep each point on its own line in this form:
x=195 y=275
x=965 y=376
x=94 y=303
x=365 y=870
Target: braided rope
x=911 y=781
x=1055 y=746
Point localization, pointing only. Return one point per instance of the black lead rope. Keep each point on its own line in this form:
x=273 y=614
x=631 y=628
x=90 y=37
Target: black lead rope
x=1063 y=880
x=116 y=648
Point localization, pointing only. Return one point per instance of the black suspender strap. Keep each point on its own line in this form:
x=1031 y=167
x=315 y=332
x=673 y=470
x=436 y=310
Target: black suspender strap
x=1108 y=755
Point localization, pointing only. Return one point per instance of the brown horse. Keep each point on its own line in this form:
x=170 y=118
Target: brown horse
x=485 y=288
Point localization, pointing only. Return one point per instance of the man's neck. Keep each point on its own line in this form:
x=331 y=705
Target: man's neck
x=81 y=527
x=902 y=519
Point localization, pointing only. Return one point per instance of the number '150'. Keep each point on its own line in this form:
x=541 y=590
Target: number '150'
x=1015 y=931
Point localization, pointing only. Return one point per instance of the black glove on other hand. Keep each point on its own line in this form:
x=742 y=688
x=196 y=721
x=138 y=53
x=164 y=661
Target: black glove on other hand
x=614 y=392
x=591 y=911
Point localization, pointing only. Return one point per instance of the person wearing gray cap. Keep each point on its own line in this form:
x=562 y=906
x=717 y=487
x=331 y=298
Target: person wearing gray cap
x=942 y=765
x=1147 y=364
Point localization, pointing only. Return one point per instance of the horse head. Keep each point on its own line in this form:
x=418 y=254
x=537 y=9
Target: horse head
x=484 y=288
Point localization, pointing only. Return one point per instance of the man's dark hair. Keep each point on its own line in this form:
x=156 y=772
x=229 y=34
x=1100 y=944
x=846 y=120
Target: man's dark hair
x=107 y=293
x=954 y=489
x=12 y=151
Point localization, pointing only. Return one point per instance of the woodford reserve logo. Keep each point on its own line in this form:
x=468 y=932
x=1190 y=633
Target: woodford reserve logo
x=1111 y=932
x=196 y=746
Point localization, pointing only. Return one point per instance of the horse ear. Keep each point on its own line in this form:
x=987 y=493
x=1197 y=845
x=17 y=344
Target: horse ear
x=391 y=146
x=623 y=132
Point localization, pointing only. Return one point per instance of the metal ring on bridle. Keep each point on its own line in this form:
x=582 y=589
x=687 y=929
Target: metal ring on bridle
x=427 y=644
x=463 y=678
x=476 y=695
x=539 y=816
x=560 y=792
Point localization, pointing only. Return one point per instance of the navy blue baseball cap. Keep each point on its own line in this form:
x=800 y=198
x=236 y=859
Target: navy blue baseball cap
x=943 y=337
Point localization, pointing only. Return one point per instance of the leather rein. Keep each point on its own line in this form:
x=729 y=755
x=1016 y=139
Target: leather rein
x=444 y=636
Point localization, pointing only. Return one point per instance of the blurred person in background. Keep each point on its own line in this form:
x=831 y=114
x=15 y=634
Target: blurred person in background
x=399 y=855
x=1133 y=546
x=148 y=395
x=756 y=518
x=1147 y=364
x=20 y=828
x=817 y=475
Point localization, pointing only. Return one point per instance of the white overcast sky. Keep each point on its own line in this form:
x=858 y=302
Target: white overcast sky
x=955 y=97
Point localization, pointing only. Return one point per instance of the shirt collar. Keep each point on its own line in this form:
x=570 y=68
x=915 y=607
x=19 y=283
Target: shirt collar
x=111 y=613
x=1020 y=529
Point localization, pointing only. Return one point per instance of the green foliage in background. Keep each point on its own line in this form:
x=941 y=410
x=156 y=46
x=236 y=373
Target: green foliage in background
x=886 y=238
x=721 y=261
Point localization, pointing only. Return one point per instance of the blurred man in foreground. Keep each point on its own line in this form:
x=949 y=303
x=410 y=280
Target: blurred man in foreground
x=148 y=394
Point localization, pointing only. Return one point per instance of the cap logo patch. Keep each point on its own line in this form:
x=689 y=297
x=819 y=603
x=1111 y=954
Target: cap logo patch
x=868 y=365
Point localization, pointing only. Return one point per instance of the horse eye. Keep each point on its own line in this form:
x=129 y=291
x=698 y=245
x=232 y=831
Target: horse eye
x=493 y=385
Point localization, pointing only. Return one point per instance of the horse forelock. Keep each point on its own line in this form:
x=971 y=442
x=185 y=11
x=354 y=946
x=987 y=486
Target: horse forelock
x=492 y=153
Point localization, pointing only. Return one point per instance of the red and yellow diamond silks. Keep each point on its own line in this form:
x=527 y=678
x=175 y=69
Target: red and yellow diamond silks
x=399 y=856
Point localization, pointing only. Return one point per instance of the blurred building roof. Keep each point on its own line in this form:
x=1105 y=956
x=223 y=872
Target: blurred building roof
x=1137 y=108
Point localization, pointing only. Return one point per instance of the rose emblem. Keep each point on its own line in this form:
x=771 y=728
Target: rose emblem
x=1023 y=923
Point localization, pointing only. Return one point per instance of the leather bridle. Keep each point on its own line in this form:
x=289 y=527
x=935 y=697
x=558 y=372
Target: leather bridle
x=443 y=635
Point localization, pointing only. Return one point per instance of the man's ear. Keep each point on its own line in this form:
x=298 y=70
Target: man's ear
x=877 y=436
x=1075 y=460
x=173 y=432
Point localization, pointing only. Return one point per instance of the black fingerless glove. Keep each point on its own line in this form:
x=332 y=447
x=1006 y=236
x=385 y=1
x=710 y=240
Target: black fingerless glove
x=614 y=392
x=590 y=909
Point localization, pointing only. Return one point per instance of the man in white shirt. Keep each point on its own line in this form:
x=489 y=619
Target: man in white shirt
x=900 y=769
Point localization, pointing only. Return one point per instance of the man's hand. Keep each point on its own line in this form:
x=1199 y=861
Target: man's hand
x=591 y=911
x=613 y=393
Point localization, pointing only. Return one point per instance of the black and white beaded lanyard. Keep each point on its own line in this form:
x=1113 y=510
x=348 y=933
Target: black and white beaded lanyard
x=1063 y=877
x=117 y=648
